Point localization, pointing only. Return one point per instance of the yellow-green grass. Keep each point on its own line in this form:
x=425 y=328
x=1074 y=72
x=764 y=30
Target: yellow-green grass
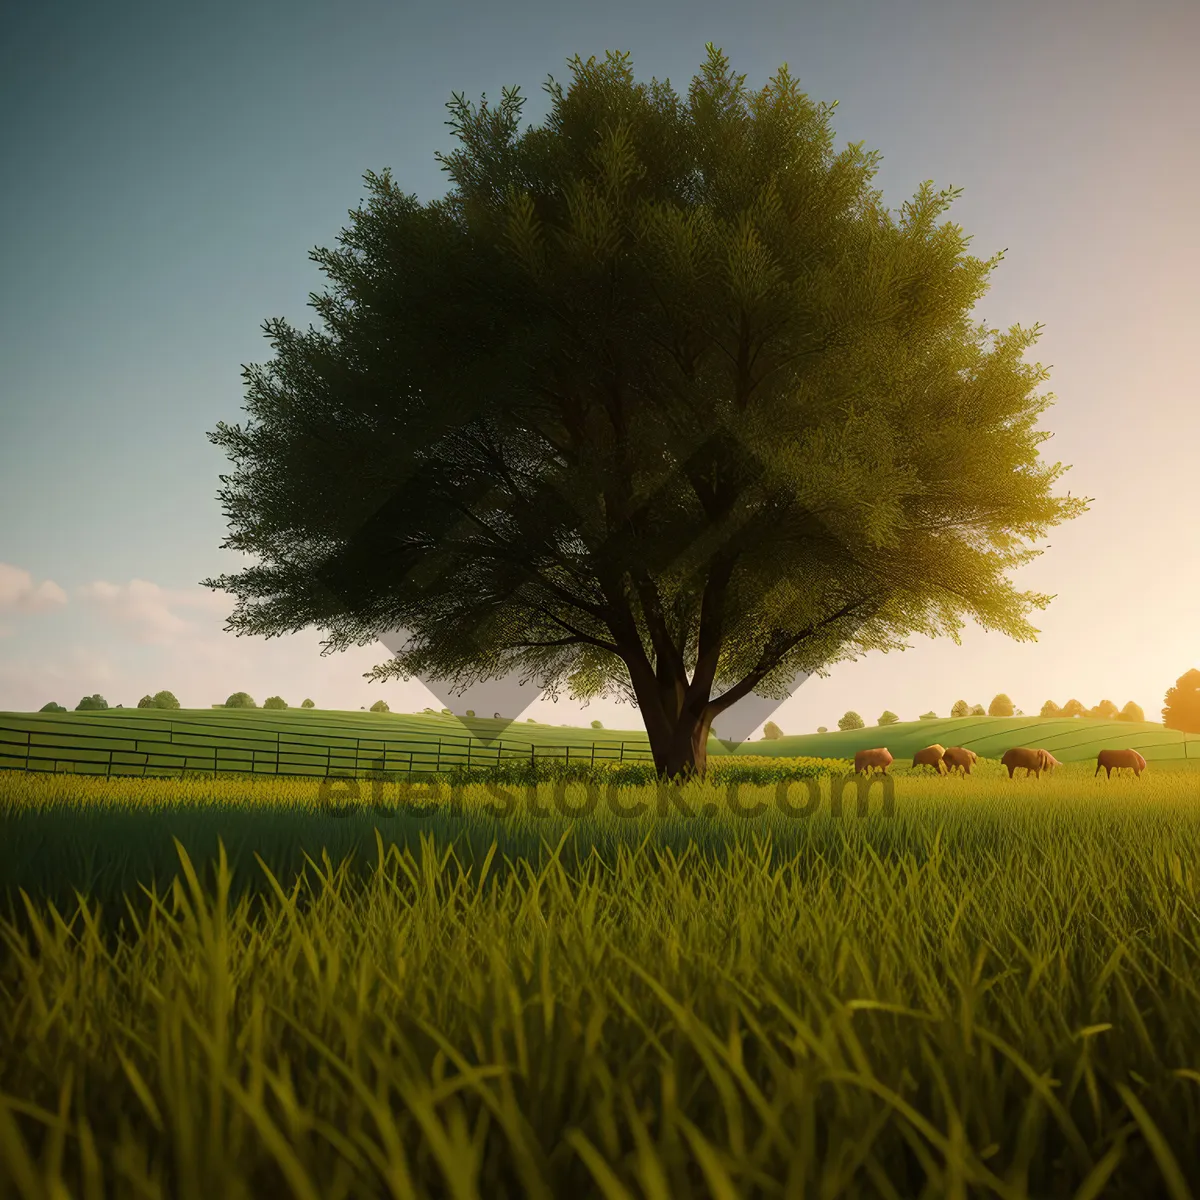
x=290 y=741
x=103 y=837
x=314 y=741
x=995 y=991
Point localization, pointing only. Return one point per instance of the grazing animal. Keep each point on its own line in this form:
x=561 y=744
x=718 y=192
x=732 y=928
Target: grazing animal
x=1113 y=760
x=866 y=761
x=1034 y=761
x=931 y=756
x=958 y=758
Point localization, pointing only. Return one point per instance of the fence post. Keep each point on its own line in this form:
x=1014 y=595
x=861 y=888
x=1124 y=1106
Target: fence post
x=328 y=758
x=622 y=752
x=216 y=769
x=356 y=743
x=438 y=764
x=568 y=755
x=108 y=772
x=277 y=752
x=532 y=753
x=468 y=754
x=593 y=754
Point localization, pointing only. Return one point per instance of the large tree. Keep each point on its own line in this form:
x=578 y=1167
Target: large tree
x=659 y=400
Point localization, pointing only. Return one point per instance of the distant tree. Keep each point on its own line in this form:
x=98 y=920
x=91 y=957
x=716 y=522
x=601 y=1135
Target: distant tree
x=496 y=716
x=274 y=702
x=240 y=700
x=887 y=717
x=1131 y=712
x=852 y=721
x=960 y=708
x=147 y=701
x=380 y=706
x=530 y=721
x=822 y=729
x=771 y=731
x=91 y=703
x=1182 y=704
x=1106 y=710
x=307 y=704
x=470 y=712
x=1020 y=712
x=447 y=713
x=1050 y=709
x=597 y=725
x=1001 y=706
x=429 y=711
x=977 y=710
x=1073 y=708
x=929 y=716
x=165 y=700
x=52 y=707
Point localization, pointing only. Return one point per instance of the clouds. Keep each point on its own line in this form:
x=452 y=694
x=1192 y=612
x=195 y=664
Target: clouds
x=154 y=614
x=19 y=595
x=126 y=639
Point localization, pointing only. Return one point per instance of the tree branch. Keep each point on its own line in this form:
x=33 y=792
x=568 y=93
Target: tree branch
x=720 y=703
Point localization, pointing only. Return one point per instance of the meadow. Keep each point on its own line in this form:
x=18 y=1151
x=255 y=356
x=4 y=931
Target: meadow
x=991 y=990
x=315 y=742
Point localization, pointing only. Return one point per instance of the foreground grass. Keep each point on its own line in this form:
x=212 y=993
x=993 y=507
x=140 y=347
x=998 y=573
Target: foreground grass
x=993 y=993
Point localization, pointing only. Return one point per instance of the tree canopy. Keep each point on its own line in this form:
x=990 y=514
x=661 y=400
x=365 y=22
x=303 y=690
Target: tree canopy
x=659 y=400
x=1181 y=709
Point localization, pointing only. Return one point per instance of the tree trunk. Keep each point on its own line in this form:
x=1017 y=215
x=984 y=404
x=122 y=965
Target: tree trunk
x=683 y=753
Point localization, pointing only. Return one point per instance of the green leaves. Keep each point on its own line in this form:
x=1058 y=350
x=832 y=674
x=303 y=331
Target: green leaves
x=663 y=373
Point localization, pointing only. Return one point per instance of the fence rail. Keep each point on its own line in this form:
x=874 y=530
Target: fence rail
x=140 y=756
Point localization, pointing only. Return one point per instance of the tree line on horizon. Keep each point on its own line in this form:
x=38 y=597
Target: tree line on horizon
x=1181 y=710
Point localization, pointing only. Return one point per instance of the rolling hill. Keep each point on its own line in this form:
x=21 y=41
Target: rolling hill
x=1069 y=739
x=314 y=741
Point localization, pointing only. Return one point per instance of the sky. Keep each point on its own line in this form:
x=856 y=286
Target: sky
x=169 y=168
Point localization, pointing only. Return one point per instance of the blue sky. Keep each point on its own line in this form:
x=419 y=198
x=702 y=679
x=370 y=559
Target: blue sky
x=169 y=168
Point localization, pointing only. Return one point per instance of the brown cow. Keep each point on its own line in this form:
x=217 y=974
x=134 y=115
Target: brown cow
x=1113 y=760
x=931 y=756
x=1034 y=761
x=865 y=761
x=958 y=758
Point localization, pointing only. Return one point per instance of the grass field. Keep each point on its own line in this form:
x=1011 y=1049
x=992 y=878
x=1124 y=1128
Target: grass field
x=314 y=742
x=995 y=991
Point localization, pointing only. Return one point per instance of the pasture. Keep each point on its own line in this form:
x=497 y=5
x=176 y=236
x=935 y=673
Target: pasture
x=315 y=742
x=993 y=991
